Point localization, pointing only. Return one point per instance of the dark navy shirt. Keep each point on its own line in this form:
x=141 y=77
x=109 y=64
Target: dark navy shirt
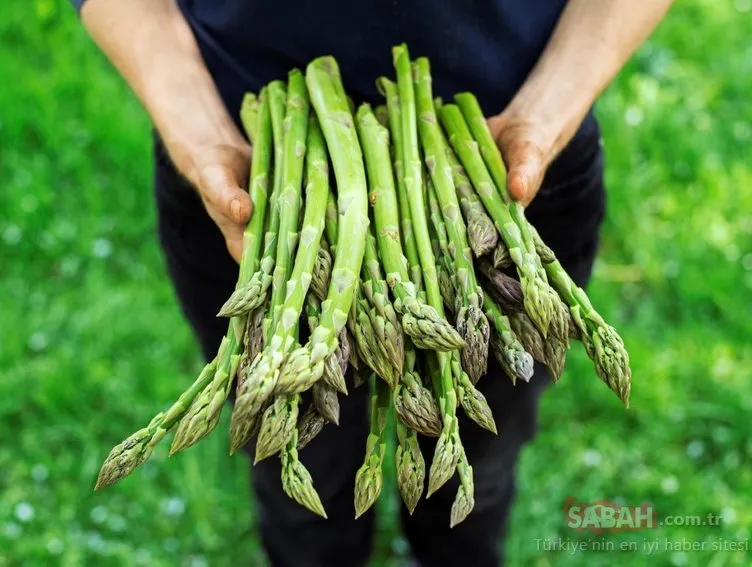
x=484 y=46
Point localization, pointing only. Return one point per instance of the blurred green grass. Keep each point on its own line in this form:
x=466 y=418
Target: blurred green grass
x=92 y=342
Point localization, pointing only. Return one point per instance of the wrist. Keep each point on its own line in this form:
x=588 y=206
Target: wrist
x=153 y=47
x=554 y=103
x=185 y=106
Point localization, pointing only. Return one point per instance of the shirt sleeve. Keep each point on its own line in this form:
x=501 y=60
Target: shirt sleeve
x=77 y=4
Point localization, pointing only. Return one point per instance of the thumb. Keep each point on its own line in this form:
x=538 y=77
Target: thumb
x=524 y=179
x=526 y=166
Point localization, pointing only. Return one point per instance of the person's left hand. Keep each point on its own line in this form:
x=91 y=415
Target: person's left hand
x=527 y=148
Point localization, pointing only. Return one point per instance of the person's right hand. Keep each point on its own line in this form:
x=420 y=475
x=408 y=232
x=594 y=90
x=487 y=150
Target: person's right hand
x=220 y=174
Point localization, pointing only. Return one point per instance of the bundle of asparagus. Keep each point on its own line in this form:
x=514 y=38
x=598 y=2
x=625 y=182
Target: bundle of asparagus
x=396 y=271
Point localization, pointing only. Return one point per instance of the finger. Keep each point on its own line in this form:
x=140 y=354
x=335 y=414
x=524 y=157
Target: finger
x=525 y=178
x=222 y=190
x=526 y=167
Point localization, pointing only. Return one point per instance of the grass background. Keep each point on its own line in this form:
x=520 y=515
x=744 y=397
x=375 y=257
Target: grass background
x=92 y=343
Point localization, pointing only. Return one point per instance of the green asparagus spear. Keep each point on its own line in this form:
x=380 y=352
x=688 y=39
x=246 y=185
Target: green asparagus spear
x=464 y=501
x=506 y=347
x=411 y=467
x=137 y=448
x=383 y=316
x=266 y=368
x=203 y=415
x=252 y=295
x=322 y=271
x=481 y=232
x=414 y=404
x=369 y=478
x=471 y=322
x=421 y=322
x=389 y=90
x=448 y=446
x=541 y=302
x=306 y=364
x=603 y=344
x=296 y=480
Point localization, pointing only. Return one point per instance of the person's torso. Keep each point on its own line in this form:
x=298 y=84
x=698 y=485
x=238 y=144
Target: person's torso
x=487 y=47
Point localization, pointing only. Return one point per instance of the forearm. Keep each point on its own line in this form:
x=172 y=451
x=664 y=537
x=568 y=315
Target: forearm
x=592 y=41
x=152 y=46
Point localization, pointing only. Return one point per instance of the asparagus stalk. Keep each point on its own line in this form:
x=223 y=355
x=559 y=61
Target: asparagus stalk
x=336 y=364
x=448 y=446
x=471 y=322
x=528 y=335
x=427 y=328
x=394 y=113
x=296 y=480
x=471 y=399
x=137 y=448
x=383 y=316
x=331 y=220
x=505 y=290
x=464 y=501
x=266 y=368
x=326 y=402
x=253 y=343
x=510 y=353
x=252 y=295
x=367 y=339
x=278 y=426
x=468 y=297
x=551 y=352
x=602 y=342
x=473 y=114
x=330 y=227
x=440 y=241
x=541 y=302
x=369 y=478
x=203 y=415
x=481 y=232
x=306 y=364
